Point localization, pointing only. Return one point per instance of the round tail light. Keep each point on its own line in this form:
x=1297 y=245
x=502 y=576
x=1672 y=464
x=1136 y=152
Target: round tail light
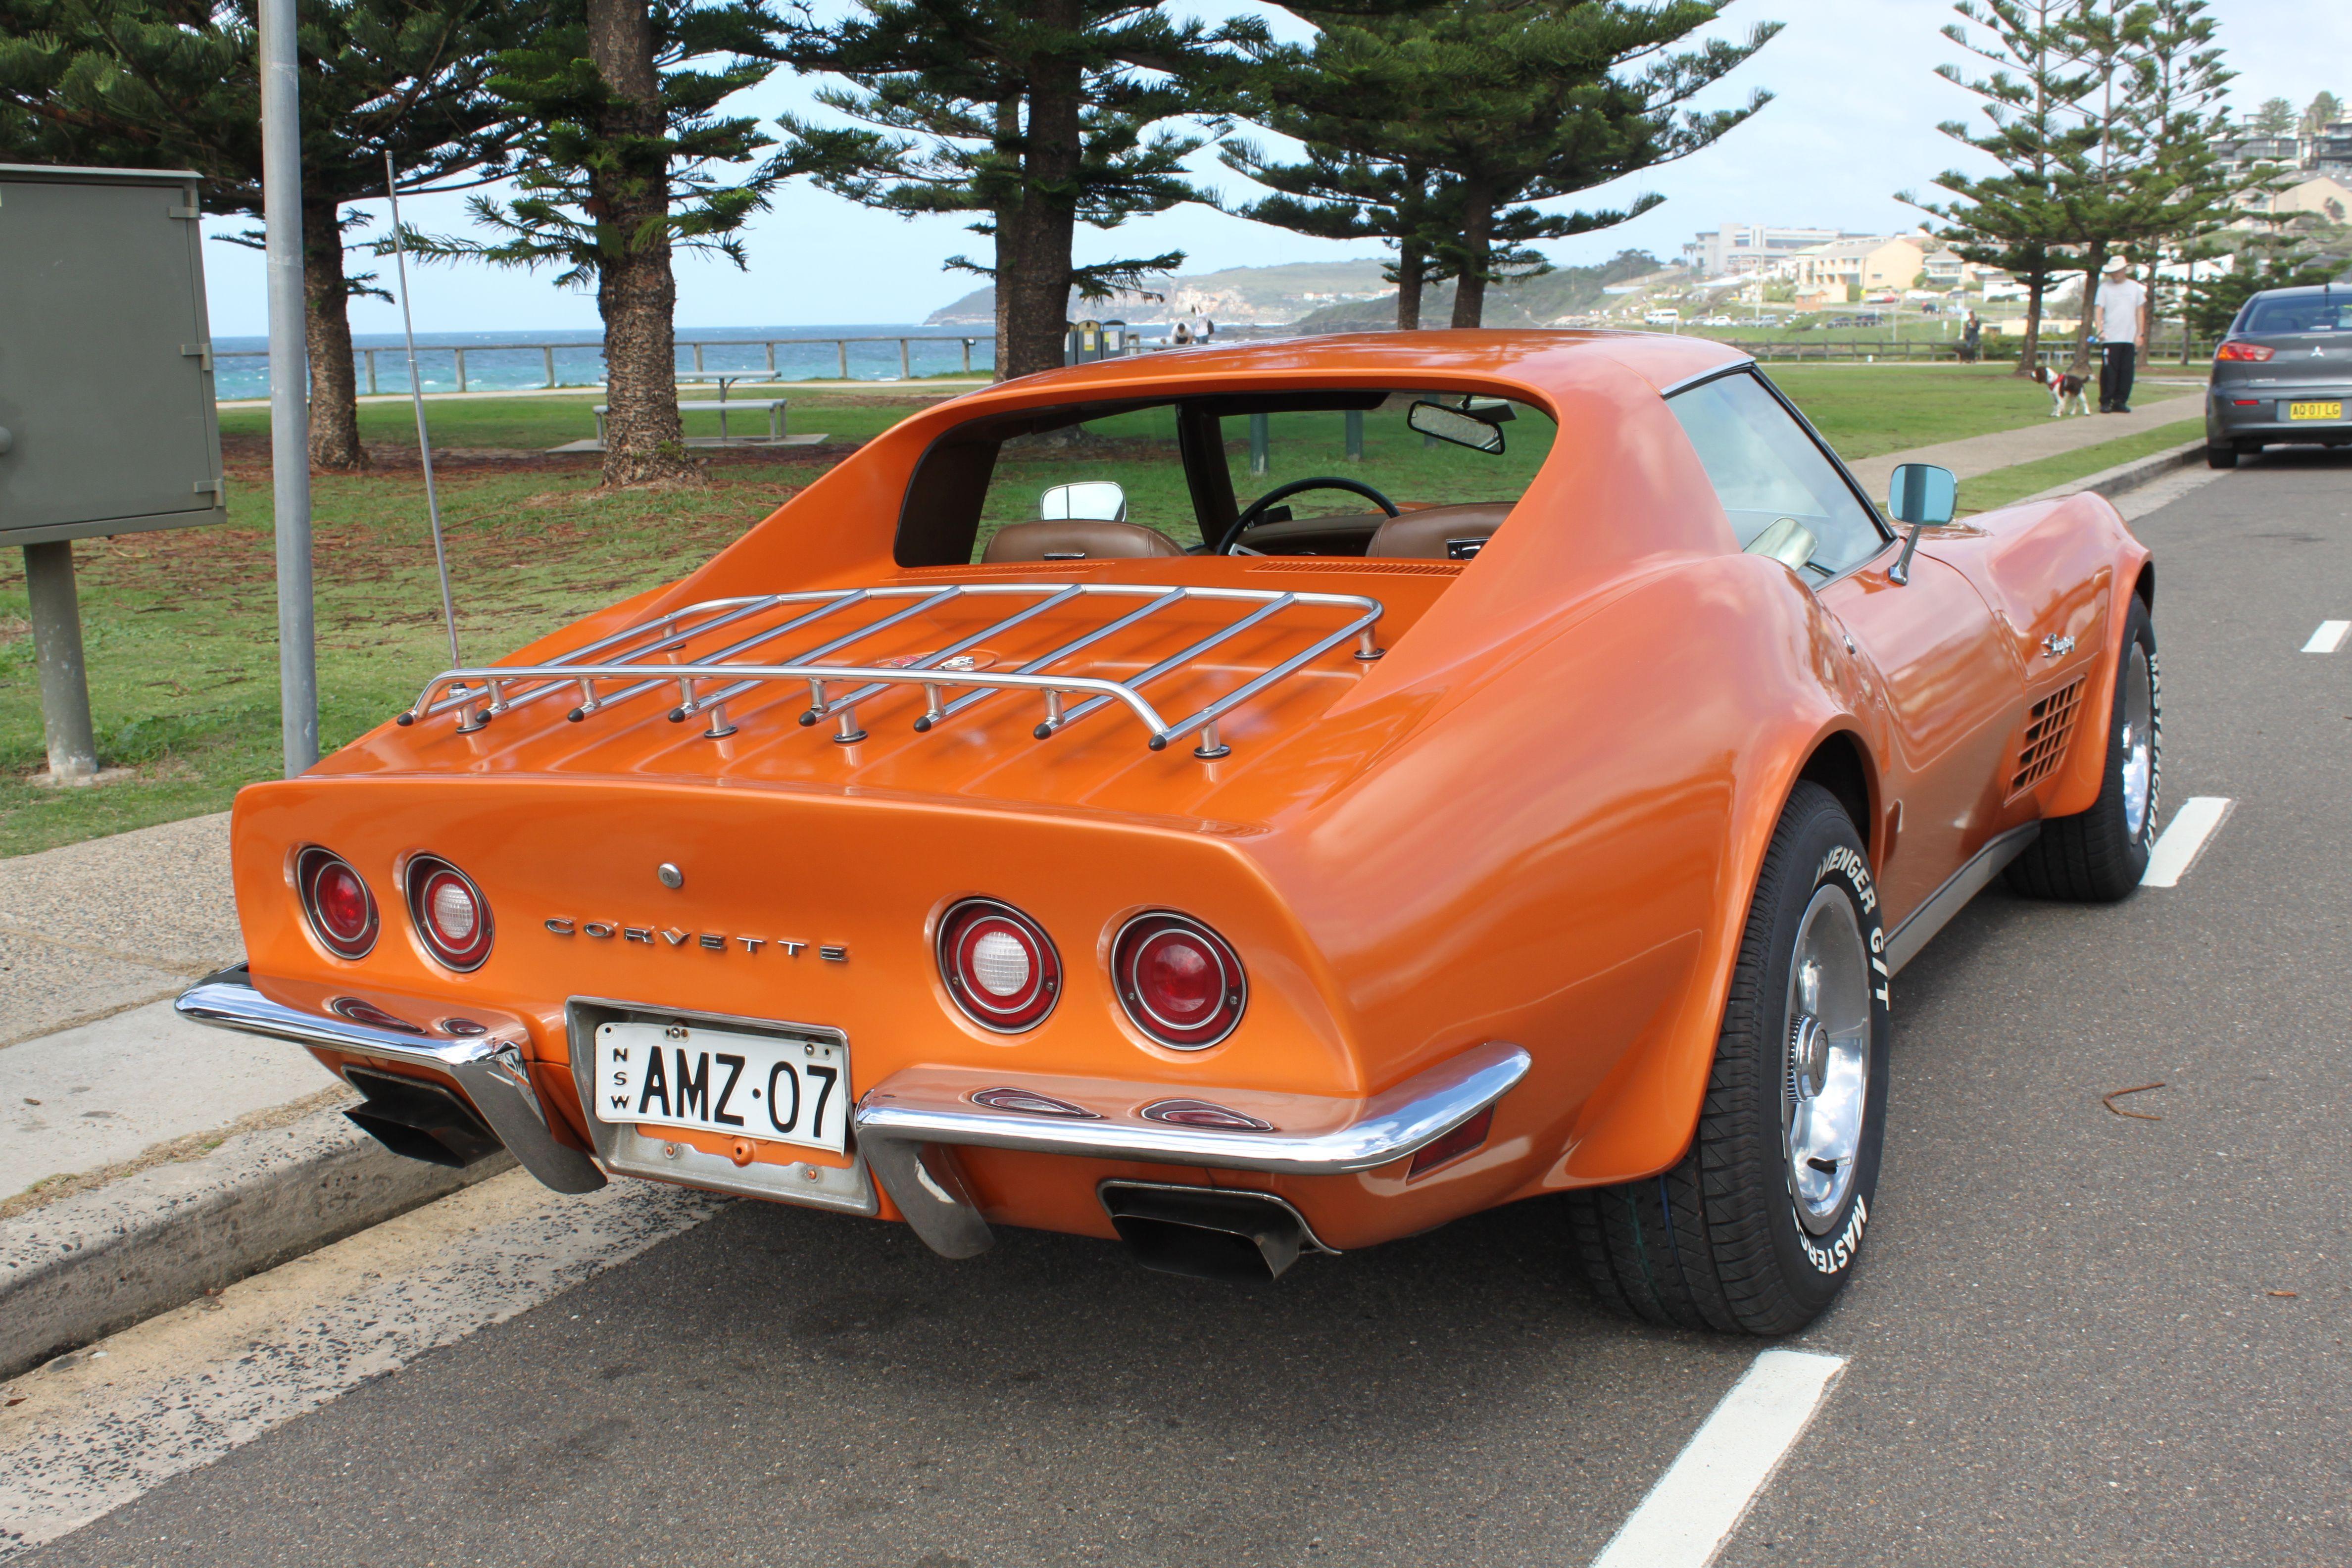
x=1181 y=982
x=341 y=909
x=450 y=913
x=999 y=965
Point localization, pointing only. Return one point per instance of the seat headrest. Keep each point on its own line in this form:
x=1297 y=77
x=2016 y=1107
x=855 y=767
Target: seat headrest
x=1429 y=533
x=1077 y=539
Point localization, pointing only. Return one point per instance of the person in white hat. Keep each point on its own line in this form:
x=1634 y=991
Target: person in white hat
x=2121 y=314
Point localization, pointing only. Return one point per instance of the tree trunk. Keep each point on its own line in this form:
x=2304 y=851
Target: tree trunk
x=1411 y=263
x=2031 y=353
x=1033 y=272
x=2088 y=327
x=1477 y=228
x=327 y=335
x=637 y=293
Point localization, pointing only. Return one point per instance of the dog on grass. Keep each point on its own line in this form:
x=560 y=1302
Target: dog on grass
x=2066 y=392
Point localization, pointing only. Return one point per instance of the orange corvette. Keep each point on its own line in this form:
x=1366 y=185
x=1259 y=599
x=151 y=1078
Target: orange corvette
x=1242 y=802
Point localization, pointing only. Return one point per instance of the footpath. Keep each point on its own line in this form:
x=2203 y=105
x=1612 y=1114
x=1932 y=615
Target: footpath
x=146 y=1162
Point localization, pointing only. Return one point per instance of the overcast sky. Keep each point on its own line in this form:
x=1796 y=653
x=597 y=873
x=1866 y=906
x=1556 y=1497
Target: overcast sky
x=1853 y=122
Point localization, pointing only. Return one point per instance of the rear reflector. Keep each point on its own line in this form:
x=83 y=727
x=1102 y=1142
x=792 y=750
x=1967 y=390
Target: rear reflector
x=1181 y=982
x=999 y=965
x=449 y=912
x=1454 y=1145
x=336 y=902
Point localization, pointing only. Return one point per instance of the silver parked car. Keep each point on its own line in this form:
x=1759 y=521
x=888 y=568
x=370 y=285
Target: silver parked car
x=2282 y=373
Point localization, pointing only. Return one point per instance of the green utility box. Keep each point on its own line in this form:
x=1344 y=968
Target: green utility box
x=106 y=384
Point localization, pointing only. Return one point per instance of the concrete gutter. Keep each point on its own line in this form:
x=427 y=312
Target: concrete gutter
x=96 y=1262
x=2129 y=476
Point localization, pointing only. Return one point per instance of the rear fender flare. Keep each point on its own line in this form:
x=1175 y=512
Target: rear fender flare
x=1643 y=1118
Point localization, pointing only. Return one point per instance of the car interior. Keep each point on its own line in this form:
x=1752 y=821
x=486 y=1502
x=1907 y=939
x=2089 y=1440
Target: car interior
x=1383 y=473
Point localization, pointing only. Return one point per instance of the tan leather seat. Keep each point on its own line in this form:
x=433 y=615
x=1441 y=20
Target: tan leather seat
x=1077 y=539
x=1426 y=534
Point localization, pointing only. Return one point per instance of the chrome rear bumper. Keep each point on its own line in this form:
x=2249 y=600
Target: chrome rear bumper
x=903 y=1122
x=488 y=1071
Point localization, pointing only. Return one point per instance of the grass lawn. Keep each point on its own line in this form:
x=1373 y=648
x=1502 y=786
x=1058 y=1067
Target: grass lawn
x=536 y=423
x=2003 y=486
x=180 y=627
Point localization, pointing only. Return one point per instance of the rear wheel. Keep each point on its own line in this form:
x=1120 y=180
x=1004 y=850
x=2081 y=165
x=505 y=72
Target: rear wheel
x=1758 y=1225
x=2099 y=856
x=2221 y=456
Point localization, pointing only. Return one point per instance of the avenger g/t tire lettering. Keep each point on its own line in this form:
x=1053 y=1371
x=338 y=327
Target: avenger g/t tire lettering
x=1760 y=1225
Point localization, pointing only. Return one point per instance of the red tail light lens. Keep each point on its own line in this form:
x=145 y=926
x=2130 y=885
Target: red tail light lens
x=999 y=965
x=338 y=904
x=1181 y=982
x=450 y=912
x=2256 y=352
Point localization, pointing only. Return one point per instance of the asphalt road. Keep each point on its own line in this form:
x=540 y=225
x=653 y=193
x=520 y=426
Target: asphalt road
x=2079 y=1338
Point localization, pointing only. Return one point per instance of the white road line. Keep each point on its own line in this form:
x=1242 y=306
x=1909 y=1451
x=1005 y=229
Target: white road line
x=94 y=1430
x=2329 y=638
x=1698 y=1503
x=2192 y=827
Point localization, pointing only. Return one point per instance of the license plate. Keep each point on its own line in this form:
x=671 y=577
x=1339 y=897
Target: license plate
x=725 y=1081
x=2315 y=410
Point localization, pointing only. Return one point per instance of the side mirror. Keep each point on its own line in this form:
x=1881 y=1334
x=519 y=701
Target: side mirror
x=1477 y=429
x=1922 y=493
x=1096 y=500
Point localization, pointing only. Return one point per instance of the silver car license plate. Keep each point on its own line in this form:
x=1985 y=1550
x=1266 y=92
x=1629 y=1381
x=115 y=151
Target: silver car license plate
x=725 y=1081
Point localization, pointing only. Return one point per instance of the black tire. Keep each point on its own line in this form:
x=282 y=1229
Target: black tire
x=2099 y=856
x=2221 y=456
x=1717 y=1242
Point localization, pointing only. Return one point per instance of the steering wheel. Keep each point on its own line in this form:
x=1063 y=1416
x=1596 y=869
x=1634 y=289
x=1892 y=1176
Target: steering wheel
x=1256 y=509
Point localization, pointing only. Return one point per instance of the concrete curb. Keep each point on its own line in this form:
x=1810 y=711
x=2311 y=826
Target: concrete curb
x=90 y=1265
x=2127 y=476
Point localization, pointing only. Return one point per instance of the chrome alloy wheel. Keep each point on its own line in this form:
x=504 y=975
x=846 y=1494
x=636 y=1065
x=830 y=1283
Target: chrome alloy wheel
x=1825 y=1076
x=2138 y=740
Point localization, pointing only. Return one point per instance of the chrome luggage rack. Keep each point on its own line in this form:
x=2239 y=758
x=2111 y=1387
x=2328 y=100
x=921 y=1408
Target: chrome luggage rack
x=706 y=683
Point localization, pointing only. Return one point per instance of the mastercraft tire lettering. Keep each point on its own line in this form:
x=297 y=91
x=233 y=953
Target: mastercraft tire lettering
x=1760 y=1223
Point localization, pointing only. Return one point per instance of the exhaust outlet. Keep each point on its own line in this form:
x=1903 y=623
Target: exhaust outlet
x=420 y=1120
x=1205 y=1233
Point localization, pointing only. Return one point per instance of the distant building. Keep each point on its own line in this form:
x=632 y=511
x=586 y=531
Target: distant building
x=1824 y=272
x=2326 y=195
x=2326 y=152
x=1737 y=249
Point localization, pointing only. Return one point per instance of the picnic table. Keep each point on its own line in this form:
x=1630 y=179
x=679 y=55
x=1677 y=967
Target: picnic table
x=775 y=407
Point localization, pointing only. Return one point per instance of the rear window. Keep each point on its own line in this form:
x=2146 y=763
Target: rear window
x=2299 y=314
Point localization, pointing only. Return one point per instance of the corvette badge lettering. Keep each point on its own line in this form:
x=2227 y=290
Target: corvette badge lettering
x=670 y=936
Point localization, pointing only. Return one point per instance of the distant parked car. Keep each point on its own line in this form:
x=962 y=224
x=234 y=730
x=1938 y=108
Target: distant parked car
x=2282 y=372
x=1664 y=316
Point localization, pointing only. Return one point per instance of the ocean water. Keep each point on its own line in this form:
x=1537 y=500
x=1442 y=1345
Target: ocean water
x=241 y=365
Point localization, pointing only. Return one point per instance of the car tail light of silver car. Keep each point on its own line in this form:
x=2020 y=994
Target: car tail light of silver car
x=1181 y=982
x=336 y=902
x=999 y=965
x=2256 y=352
x=450 y=913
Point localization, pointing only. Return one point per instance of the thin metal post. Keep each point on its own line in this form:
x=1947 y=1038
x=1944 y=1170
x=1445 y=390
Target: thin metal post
x=1261 y=441
x=698 y=359
x=905 y=370
x=966 y=356
x=843 y=344
x=771 y=360
x=1355 y=435
x=289 y=413
x=56 y=651
x=416 y=399
x=547 y=349
x=461 y=368
x=370 y=363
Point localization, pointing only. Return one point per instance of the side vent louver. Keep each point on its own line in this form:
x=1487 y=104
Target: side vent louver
x=2046 y=729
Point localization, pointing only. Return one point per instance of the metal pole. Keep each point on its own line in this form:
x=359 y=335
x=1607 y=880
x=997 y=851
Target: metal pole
x=290 y=412
x=844 y=346
x=546 y=349
x=1261 y=443
x=905 y=370
x=1355 y=424
x=56 y=652
x=417 y=398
